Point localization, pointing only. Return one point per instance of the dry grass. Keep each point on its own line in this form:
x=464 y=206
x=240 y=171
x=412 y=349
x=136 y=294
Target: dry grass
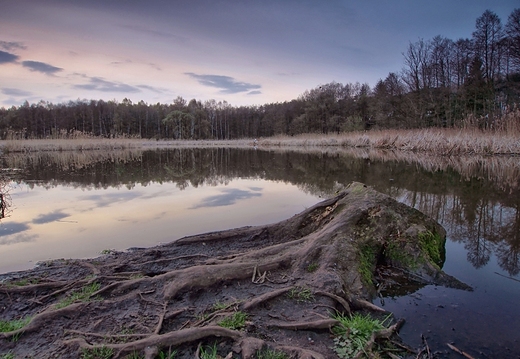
x=503 y=138
x=66 y=160
x=436 y=141
x=79 y=144
x=443 y=142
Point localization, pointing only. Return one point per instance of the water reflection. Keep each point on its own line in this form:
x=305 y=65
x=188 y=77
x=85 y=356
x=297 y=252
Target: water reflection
x=70 y=203
x=228 y=197
x=476 y=199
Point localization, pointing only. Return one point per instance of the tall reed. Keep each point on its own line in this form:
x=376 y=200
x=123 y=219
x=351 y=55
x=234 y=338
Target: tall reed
x=503 y=137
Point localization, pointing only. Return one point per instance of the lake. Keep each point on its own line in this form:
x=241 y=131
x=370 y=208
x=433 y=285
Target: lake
x=77 y=205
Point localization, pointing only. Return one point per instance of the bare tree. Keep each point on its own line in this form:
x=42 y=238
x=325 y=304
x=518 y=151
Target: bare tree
x=513 y=34
x=486 y=39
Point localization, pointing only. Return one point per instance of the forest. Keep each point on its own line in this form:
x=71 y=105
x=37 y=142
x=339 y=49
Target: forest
x=471 y=81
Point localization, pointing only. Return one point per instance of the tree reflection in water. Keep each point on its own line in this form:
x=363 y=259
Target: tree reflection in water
x=476 y=199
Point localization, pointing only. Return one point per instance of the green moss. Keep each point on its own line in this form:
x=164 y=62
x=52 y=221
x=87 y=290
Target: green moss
x=357 y=188
x=367 y=260
x=398 y=256
x=82 y=295
x=431 y=245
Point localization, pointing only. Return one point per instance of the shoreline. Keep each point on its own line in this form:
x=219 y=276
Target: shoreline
x=442 y=142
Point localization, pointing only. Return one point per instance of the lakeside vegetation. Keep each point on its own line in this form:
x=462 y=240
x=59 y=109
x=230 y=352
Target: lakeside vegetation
x=439 y=141
x=454 y=84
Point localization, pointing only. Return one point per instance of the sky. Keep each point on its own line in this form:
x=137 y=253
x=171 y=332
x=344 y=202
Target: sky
x=246 y=52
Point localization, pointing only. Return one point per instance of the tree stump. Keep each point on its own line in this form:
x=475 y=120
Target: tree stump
x=287 y=279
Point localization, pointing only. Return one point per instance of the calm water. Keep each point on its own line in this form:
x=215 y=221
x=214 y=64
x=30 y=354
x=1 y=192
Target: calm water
x=77 y=205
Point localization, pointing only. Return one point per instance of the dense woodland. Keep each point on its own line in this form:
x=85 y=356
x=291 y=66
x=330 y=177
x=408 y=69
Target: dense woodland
x=443 y=83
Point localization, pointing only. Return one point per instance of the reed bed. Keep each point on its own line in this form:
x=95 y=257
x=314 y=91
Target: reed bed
x=501 y=136
x=436 y=141
x=69 y=160
x=76 y=144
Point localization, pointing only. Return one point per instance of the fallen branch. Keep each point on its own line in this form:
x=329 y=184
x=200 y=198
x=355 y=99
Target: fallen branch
x=505 y=276
x=455 y=349
x=161 y=319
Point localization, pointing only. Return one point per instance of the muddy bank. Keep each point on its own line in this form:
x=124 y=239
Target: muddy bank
x=245 y=291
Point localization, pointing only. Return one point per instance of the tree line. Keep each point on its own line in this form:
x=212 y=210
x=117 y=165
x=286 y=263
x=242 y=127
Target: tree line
x=443 y=83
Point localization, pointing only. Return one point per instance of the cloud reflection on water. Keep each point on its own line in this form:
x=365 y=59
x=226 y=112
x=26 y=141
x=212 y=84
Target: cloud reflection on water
x=50 y=217
x=18 y=238
x=228 y=197
x=108 y=199
x=11 y=228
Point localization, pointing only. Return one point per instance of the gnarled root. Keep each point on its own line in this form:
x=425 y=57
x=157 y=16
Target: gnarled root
x=317 y=324
x=162 y=340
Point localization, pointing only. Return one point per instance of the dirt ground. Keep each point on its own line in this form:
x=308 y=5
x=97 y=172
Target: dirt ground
x=287 y=279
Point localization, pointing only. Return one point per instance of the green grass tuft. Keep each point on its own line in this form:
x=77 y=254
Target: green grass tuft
x=209 y=352
x=167 y=355
x=353 y=333
x=236 y=322
x=134 y=355
x=12 y=325
x=83 y=295
x=97 y=353
x=301 y=294
x=219 y=306
x=313 y=267
x=271 y=354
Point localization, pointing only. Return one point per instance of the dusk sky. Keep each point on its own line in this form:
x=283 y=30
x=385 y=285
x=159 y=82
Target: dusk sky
x=246 y=52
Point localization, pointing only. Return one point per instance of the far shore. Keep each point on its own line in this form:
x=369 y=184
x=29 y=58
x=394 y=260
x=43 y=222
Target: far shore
x=443 y=142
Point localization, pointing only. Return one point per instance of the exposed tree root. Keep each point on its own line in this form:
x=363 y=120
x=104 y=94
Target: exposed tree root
x=250 y=304
x=163 y=340
x=317 y=324
x=44 y=318
x=380 y=334
x=364 y=304
x=249 y=346
x=338 y=299
x=32 y=287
